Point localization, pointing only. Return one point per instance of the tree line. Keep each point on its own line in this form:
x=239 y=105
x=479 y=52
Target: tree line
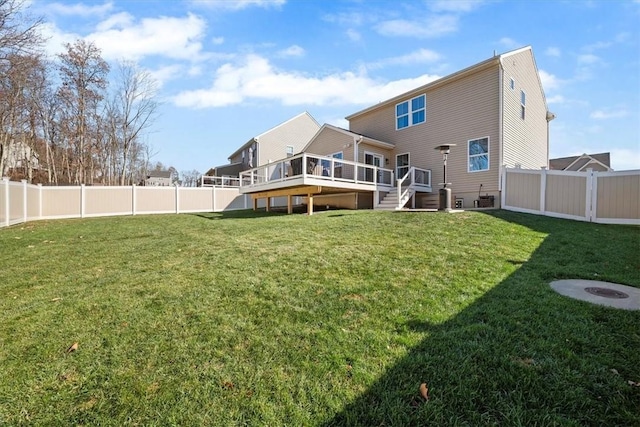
x=72 y=119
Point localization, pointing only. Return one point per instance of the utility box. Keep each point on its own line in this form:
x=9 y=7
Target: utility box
x=486 y=201
x=459 y=202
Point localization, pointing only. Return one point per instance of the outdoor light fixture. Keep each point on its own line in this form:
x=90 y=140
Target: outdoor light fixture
x=445 y=193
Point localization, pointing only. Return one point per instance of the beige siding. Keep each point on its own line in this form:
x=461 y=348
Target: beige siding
x=618 y=197
x=388 y=156
x=330 y=141
x=525 y=141
x=463 y=109
x=296 y=132
x=61 y=202
x=155 y=200
x=523 y=190
x=108 y=200
x=566 y=195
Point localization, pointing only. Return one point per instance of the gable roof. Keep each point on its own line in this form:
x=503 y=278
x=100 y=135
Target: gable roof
x=363 y=138
x=494 y=60
x=159 y=174
x=577 y=163
x=256 y=138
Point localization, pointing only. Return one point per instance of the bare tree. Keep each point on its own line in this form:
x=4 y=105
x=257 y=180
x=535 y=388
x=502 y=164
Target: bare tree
x=134 y=109
x=19 y=33
x=190 y=178
x=84 y=79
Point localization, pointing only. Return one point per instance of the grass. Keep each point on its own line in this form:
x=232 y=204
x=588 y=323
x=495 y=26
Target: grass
x=335 y=319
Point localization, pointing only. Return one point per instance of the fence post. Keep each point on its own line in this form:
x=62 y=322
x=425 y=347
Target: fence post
x=133 y=199
x=7 y=211
x=82 y=200
x=588 y=208
x=24 y=200
x=39 y=201
x=177 y=199
x=503 y=187
x=543 y=189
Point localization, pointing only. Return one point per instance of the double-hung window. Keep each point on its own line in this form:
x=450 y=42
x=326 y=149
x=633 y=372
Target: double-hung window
x=411 y=112
x=478 y=151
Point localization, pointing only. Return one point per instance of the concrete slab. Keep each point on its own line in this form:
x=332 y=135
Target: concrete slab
x=597 y=292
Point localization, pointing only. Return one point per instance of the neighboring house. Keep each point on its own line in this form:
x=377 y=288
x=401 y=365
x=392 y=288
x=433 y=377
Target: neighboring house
x=494 y=112
x=284 y=140
x=20 y=155
x=158 y=179
x=600 y=162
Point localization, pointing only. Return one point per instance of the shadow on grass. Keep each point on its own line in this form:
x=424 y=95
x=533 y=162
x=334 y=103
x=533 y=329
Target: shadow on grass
x=522 y=354
x=240 y=214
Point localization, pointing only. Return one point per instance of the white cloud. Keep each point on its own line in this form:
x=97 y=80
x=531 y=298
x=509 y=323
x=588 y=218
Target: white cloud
x=588 y=59
x=625 y=159
x=455 y=6
x=353 y=35
x=608 y=114
x=56 y=38
x=164 y=74
x=293 y=50
x=549 y=81
x=556 y=99
x=256 y=78
x=78 y=9
x=553 y=51
x=433 y=26
x=238 y=4
x=509 y=43
x=217 y=40
x=179 y=38
x=420 y=56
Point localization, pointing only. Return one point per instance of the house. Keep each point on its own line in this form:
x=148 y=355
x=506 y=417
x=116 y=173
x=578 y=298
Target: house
x=283 y=140
x=494 y=113
x=159 y=179
x=600 y=162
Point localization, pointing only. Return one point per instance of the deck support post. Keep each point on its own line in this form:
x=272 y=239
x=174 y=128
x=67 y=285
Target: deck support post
x=255 y=203
x=268 y=204
x=289 y=205
x=310 y=204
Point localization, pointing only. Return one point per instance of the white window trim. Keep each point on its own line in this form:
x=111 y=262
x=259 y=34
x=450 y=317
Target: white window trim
x=523 y=105
x=410 y=111
x=408 y=162
x=477 y=155
x=286 y=150
x=512 y=83
x=381 y=156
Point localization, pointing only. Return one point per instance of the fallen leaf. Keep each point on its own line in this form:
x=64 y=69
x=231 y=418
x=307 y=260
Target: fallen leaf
x=633 y=383
x=424 y=391
x=73 y=347
x=614 y=371
x=228 y=385
x=56 y=299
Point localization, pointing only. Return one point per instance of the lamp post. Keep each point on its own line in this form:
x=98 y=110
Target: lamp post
x=445 y=193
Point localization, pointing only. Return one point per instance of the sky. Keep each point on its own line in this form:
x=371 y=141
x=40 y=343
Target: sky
x=229 y=70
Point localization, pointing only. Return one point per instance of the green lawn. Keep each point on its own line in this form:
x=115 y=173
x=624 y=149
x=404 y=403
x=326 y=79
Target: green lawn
x=334 y=319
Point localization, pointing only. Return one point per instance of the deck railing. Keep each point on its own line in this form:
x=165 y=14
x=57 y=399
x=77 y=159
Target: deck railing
x=308 y=165
x=416 y=179
x=219 y=181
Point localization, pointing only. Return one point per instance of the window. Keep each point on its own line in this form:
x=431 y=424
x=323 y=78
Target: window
x=289 y=150
x=523 y=103
x=512 y=84
x=412 y=112
x=402 y=165
x=478 y=154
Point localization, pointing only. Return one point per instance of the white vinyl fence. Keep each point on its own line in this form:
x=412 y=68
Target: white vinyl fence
x=22 y=202
x=603 y=197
